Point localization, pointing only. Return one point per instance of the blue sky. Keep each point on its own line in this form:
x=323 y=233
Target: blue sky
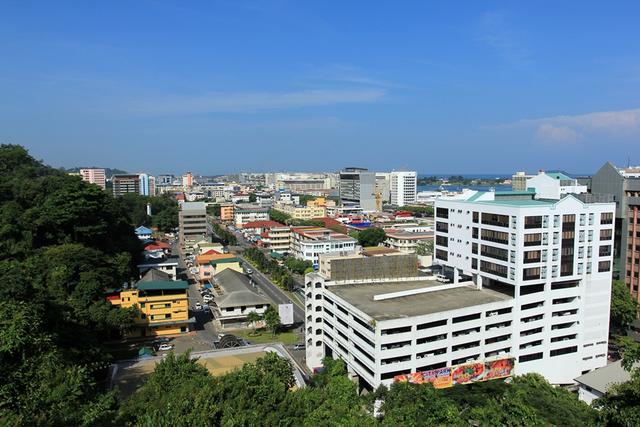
x=215 y=87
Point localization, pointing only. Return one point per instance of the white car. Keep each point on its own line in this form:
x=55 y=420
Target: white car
x=207 y=298
x=165 y=347
x=198 y=306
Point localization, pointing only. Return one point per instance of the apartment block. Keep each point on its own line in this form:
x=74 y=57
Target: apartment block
x=94 y=176
x=245 y=212
x=301 y=212
x=403 y=188
x=308 y=243
x=226 y=212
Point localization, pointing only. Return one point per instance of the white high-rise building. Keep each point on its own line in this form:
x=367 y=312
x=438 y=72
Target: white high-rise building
x=147 y=184
x=403 y=188
x=523 y=279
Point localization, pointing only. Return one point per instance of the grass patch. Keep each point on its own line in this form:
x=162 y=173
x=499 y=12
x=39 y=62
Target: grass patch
x=263 y=336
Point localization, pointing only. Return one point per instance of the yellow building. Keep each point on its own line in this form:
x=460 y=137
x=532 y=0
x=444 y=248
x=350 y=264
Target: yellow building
x=163 y=305
x=301 y=212
x=320 y=202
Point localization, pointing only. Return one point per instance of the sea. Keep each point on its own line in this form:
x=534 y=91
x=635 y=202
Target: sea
x=436 y=187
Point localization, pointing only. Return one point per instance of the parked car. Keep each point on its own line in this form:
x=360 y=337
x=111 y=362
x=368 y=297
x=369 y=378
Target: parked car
x=198 y=306
x=207 y=298
x=249 y=271
x=165 y=347
x=299 y=347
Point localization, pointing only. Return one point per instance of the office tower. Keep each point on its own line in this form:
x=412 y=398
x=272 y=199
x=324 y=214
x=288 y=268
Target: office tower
x=357 y=187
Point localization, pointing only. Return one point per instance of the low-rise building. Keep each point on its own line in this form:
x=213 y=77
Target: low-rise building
x=406 y=241
x=596 y=383
x=210 y=265
x=554 y=185
x=234 y=297
x=245 y=213
x=163 y=304
x=166 y=264
x=143 y=232
x=301 y=212
x=308 y=242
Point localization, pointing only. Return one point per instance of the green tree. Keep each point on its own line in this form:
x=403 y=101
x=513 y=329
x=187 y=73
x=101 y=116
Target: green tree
x=624 y=308
x=252 y=197
x=424 y=248
x=253 y=318
x=272 y=319
x=371 y=236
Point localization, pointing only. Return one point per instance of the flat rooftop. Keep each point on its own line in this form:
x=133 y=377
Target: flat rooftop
x=361 y=296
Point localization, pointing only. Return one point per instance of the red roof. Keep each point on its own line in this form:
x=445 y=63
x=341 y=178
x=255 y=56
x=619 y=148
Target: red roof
x=157 y=245
x=262 y=224
x=209 y=252
x=264 y=234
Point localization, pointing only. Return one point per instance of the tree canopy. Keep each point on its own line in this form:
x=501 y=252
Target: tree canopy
x=624 y=308
x=371 y=236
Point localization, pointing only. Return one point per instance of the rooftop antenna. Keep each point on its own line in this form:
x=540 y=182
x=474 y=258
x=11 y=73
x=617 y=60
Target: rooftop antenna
x=628 y=162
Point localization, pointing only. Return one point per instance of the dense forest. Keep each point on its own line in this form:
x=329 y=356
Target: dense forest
x=63 y=242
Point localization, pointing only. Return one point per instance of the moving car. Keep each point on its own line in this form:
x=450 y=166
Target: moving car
x=165 y=347
x=207 y=298
x=299 y=347
x=198 y=306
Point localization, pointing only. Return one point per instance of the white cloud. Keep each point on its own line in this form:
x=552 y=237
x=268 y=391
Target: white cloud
x=252 y=102
x=569 y=128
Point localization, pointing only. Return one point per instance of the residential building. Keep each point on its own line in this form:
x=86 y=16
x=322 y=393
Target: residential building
x=357 y=187
x=278 y=239
x=226 y=212
x=147 y=184
x=406 y=241
x=165 y=179
x=143 y=232
x=595 y=384
x=163 y=304
x=165 y=264
x=244 y=213
x=403 y=188
x=300 y=182
x=211 y=264
x=623 y=185
x=301 y=212
x=307 y=243
x=94 y=176
x=192 y=219
x=234 y=297
x=123 y=184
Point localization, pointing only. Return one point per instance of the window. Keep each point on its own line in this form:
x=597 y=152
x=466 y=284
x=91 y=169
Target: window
x=605 y=234
x=394 y=331
x=493 y=252
x=466 y=318
x=606 y=218
x=495 y=219
x=605 y=250
x=529 y=357
x=475 y=217
x=532 y=239
x=492 y=268
x=442 y=227
x=495 y=236
x=532 y=256
x=604 y=266
x=432 y=324
x=442 y=213
x=442 y=255
x=531 y=273
x=566 y=350
x=533 y=222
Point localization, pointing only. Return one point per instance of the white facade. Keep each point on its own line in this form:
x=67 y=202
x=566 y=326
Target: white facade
x=555 y=257
x=249 y=213
x=403 y=188
x=308 y=244
x=531 y=280
x=554 y=185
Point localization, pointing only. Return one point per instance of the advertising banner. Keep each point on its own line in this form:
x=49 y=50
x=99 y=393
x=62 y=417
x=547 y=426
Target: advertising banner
x=461 y=374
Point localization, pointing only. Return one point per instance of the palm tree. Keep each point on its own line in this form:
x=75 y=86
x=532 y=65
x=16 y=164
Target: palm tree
x=253 y=317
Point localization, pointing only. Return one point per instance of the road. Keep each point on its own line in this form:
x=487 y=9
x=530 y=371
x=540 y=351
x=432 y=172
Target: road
x=267 y=287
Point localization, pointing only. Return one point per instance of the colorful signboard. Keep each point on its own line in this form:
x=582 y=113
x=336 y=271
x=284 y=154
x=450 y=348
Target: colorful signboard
x=461 y=374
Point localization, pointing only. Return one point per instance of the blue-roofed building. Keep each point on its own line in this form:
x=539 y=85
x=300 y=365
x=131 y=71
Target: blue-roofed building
x=143 y=232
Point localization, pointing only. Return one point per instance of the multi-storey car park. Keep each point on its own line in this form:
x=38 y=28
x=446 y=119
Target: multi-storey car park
x=528 y=279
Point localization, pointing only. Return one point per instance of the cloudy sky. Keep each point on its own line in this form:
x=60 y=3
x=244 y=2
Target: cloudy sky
x=215 y=87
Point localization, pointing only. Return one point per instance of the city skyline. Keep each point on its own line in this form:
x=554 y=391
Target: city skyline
x=382 y=86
